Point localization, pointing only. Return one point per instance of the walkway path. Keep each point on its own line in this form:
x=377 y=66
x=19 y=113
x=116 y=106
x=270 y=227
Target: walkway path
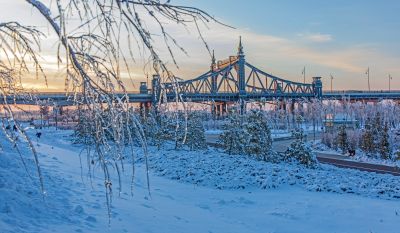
x=281 y=144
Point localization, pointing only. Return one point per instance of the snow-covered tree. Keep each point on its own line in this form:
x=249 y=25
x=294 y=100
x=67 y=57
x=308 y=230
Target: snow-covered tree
x=195 y=134
x=354 y=137
x=258 y=135
x=342 y=139
x=298 y=150
x=232 y=139
x=328 y=139
x=367 y=138
x=384 y=146
x=89 y=36
x=158 y=128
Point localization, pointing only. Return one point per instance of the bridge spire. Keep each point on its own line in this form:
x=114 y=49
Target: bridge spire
x=213 y=61
x=240 y=48
x=241 y=77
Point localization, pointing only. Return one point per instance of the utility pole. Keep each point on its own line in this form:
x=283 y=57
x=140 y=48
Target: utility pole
x=390 y=78
x=367 y=73
x=331 y=83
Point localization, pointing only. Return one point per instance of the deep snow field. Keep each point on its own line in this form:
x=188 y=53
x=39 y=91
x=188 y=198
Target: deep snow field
x=206 y=191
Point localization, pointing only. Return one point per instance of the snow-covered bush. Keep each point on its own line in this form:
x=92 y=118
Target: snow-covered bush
x=299 y=152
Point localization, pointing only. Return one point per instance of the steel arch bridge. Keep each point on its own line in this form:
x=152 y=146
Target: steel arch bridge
x=233 y=80
x=230 y=80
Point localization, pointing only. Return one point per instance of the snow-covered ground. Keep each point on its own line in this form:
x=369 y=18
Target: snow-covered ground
x=204 y=191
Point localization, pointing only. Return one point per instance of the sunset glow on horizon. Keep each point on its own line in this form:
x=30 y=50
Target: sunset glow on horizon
x=338 y=38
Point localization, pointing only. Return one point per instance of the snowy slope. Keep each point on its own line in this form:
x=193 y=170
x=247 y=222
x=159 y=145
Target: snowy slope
x=196 y=203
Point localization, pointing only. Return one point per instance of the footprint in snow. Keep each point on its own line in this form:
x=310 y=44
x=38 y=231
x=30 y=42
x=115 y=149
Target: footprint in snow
x=284 y=215
x=168 y=196
x=96 y=206
x=148 y=206
x=91 y=219
x=79 y=209
x=181 y=219
x=203 y=206
x=246 y=201
x=221 y=202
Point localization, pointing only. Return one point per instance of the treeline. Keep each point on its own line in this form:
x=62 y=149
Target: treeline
x=248 y=134
x=375 y=139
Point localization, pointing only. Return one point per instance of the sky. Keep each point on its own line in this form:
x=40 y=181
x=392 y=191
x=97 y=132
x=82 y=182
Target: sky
x=339 y=38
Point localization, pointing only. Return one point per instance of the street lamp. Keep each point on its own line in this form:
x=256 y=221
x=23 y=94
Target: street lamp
x=390 y=78
x=367 y=73
x=331 y=83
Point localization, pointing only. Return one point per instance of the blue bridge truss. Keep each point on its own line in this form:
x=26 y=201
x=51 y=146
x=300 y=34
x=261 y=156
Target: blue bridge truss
x=230 y=80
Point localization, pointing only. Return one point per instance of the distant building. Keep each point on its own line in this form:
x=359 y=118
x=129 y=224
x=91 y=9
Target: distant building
x=332 y=122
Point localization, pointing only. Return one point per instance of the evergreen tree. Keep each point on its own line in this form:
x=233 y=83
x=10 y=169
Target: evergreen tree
x=258 y=135
x=367 y=138
x=342 y=139
x=195 y=135
x=158 y=129
x=299 y=151
x=232 y=138
x=384 y=146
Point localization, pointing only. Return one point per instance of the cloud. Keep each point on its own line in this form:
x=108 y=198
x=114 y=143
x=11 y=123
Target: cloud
x=284 y=56
x=317 y=37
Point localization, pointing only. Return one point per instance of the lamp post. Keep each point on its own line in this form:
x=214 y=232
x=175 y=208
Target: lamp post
x=390 y=78
x=367 y=73
x=331 y=83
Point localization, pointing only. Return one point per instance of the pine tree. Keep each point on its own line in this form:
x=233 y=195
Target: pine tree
x=367 y=138
x=258 y=135
x=299 y=151
x=342 y=139
x=232 y=138
x=384 y=146
x=195 y=136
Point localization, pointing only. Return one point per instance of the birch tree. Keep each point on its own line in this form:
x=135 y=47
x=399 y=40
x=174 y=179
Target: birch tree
x=91 y=34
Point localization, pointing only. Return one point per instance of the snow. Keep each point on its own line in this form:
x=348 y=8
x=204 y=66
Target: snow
x=204 y=191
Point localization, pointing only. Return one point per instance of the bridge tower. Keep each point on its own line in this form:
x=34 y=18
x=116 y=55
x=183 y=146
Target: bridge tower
x=241 y=77
x=317 y=87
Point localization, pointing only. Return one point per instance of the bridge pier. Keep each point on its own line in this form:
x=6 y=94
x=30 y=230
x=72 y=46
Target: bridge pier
x=219 y=109
x=145 y=108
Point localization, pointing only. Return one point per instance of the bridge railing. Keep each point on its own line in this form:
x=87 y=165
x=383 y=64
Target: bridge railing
x=362 y=92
